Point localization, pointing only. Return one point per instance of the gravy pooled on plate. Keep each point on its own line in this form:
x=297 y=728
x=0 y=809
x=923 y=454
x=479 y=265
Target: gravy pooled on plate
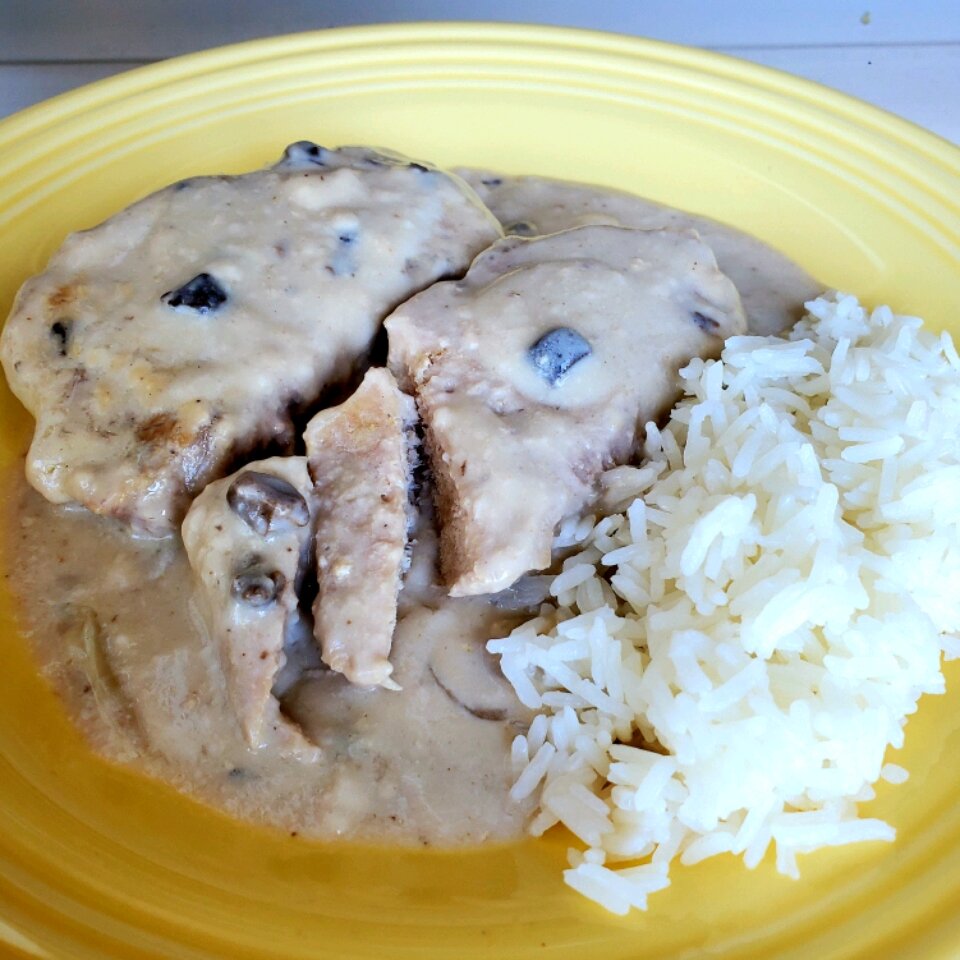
x=136 y=642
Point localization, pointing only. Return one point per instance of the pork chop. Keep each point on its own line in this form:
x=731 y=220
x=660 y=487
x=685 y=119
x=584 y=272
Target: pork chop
x=772 y=288
x=533 y=374
x=157 y=347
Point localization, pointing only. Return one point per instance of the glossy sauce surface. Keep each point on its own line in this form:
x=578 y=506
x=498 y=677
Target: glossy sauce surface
x=115 y=630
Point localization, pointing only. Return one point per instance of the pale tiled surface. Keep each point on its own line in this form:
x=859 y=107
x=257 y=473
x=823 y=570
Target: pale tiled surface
x=903 y=57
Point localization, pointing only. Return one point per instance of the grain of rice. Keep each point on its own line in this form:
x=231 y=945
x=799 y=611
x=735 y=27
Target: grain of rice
x=533 y=773
x=893 y=773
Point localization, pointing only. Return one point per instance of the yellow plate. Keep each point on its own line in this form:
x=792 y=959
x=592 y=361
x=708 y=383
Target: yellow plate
x=97 y=862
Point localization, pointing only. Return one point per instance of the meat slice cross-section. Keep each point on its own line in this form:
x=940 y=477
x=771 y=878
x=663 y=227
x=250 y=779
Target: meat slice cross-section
x=254 y=539
x=249 y=570
x=360 y=456
x=533 y=374
x=159 y=346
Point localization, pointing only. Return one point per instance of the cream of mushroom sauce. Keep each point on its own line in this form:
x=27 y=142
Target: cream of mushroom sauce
x=114 y=628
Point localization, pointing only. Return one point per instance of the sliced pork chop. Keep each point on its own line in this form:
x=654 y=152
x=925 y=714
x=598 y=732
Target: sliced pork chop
x=533 y=374
x=253 y=538
x=772 y=288
x=248 y=539
x=178 y=334
x=360 y=456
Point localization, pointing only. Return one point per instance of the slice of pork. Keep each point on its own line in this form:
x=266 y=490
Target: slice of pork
x=533 y=374
x=248 y=539
x=157 y=347
x=360 y=456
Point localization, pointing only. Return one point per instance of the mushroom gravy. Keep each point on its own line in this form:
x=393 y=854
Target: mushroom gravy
x=114 y=626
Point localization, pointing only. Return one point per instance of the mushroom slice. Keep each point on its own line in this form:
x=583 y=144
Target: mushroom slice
x=360 y=457
x=534 y=373
x=247 y=539
x=267 y=503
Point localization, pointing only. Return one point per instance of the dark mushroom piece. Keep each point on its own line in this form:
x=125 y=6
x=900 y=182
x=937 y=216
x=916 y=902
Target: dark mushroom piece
x=60 y=331
x=257 y=587
x=521 y=228
x=305 y=152
x=266 y=503
x=706 y=324
x=556 y=352
x=203 y=294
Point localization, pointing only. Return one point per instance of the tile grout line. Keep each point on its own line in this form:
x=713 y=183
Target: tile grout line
x=719 y=48
x=859 y=45
x=83 y=62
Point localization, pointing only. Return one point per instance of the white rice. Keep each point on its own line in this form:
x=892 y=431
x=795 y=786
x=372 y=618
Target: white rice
x=760 y=618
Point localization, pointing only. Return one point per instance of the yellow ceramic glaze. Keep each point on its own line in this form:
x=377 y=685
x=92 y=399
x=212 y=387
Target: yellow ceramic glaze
x=96 y=862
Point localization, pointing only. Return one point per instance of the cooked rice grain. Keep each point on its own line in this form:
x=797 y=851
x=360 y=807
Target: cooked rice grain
x=766 y=612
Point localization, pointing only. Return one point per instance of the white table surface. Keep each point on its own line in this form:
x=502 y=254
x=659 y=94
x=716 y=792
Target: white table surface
x=899 y=55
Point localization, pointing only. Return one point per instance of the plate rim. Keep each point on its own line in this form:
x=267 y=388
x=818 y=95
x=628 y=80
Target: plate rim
x=38 y=118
